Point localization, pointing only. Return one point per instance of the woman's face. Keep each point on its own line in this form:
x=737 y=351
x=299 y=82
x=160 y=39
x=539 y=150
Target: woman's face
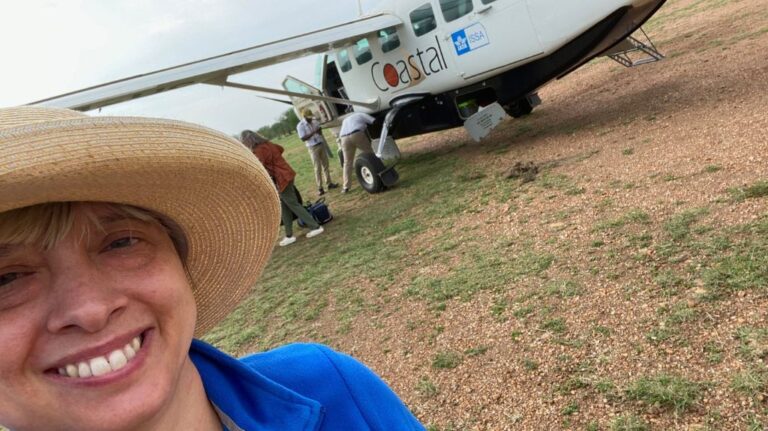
x=96 y=330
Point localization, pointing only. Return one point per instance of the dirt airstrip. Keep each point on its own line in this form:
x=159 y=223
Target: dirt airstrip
x=639 y=139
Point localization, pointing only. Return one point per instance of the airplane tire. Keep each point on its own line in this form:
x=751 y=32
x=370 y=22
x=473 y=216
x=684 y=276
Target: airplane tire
x=368 y=167
x=519 y=108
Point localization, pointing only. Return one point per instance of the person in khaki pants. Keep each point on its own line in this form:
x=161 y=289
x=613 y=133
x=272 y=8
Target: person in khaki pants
x=309 y=131
x=353 y=138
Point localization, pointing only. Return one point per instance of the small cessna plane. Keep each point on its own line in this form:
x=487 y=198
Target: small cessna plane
x=419 y=65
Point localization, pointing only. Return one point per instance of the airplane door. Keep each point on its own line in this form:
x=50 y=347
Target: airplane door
x=322 y=110
x=487 y=34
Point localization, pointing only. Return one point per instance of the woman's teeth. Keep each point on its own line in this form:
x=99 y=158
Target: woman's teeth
x=101 y=365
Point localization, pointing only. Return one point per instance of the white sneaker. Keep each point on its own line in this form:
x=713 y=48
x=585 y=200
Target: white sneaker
x=315 y=232
x=287 y=241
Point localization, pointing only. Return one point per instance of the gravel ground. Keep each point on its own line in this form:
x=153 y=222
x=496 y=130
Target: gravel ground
x=633 y=140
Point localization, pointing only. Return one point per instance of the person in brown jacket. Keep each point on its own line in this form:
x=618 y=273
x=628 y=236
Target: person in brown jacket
x=271 y=156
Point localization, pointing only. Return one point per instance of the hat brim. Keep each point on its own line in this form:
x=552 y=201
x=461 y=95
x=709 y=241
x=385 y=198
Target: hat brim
x=206 y=182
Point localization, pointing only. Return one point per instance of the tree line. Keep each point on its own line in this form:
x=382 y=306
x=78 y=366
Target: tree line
x=285 y=125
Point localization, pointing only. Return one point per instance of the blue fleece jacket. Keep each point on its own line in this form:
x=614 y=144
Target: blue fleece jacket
x=306 y=387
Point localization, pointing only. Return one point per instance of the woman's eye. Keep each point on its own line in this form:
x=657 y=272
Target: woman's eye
x=122 y=243
x=9 y=277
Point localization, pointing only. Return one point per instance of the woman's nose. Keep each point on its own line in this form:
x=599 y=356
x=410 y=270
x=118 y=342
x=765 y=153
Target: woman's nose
x=83 y=297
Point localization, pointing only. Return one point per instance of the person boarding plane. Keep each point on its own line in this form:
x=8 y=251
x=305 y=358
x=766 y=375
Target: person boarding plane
x=419 y=66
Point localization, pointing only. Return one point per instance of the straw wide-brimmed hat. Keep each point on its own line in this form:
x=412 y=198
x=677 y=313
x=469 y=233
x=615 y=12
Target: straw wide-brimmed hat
x=205 y=181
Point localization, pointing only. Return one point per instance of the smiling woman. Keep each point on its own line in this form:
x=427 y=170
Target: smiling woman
x=120 y=240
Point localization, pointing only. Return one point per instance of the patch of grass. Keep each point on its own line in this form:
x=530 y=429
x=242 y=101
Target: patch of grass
x=711 y=169
x=754 y=424
x=522 y=312
x=404 y=227
x=628 y=151
x=559 y=182
x=665 y=392
x=447 y=360
x=471 y=175
x=636 y=216
x=572 y=384
x=714 y=352
x=605 y=387
x=678 y=314
x=751 y=382
x=753 y=342
x=669 y=282
x=476 y=351
x=602 y=330
x=641 y=240
x=558 y=326
x=756 y=190
x=563 y=288
x=530 y=364
x=426 y=388
x=570 y=409
x=659 y=335
x=745 y=266
x=531 y=263
x=679 y=226
x=629 y=423
x=498 y=308
x=480 y=269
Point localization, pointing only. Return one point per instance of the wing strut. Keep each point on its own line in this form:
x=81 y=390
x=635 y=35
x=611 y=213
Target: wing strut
x=373 y=104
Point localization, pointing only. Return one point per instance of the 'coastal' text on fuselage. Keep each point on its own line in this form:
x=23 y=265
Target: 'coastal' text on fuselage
x=407 y=71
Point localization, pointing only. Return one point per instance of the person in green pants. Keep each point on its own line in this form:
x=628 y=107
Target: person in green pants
x=271 y=156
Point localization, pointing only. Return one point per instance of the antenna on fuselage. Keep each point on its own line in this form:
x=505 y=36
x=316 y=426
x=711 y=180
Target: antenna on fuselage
x=359 y=7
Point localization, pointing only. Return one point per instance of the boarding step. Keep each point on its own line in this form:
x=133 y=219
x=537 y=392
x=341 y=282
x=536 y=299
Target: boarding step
x=637 y=49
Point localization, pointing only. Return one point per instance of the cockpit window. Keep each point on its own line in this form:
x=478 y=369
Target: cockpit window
x=454 y=9
x=488 y=1
x=388 y=39
x=342 y=59
x=362 y=51
x=423 y=19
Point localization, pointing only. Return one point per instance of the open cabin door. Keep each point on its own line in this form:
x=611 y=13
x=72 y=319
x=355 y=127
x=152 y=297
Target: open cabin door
x=484 y=35
x=321 y=109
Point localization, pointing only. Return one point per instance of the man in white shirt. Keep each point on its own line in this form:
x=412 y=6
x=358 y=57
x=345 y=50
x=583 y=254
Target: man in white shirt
x=310 y=132
x=353 y=137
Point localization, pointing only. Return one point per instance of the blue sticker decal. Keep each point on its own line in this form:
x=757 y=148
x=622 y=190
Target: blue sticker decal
x=469 y=39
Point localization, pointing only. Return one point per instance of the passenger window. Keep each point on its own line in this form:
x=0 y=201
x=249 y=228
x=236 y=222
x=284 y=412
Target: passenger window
x=388 y=39
x=342 y=59
x=454 y=9
x=488 y=1
x=362 y=51
x=423 y=19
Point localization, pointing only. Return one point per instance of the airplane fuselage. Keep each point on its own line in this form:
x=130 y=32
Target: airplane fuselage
x=478 y=51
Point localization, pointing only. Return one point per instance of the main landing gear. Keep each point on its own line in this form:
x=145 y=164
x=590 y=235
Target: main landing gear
x=522 y=107
x=373 y=175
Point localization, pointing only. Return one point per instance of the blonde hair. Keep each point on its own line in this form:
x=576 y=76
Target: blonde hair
x=47 y=224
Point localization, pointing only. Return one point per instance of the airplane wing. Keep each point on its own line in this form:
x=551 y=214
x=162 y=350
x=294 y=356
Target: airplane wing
x=216 y=70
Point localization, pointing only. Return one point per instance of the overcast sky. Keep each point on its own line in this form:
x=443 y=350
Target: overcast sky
x=51 y=47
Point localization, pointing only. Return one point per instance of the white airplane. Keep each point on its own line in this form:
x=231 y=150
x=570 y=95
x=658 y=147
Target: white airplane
x=419 y=65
